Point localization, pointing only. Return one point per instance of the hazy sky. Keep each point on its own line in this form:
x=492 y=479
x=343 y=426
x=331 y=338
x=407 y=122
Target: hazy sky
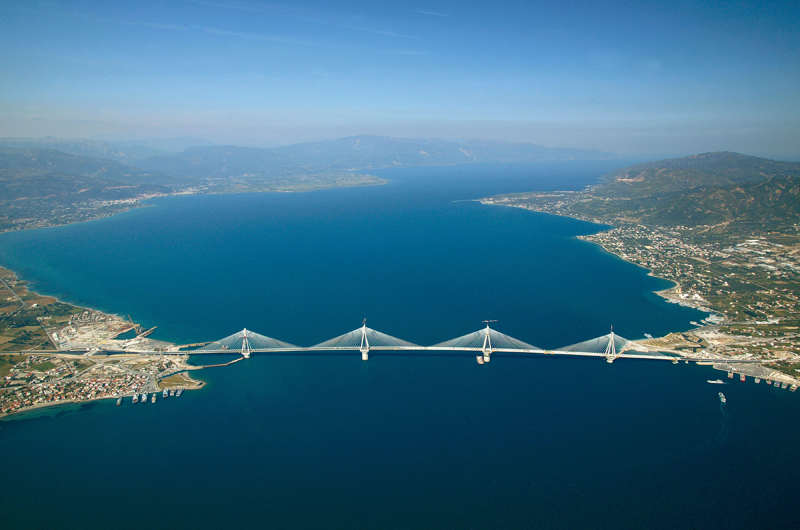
x=631 y=77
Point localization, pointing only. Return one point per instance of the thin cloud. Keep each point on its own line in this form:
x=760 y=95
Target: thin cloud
x=249 y=36
x=171 y=27
x=433 y=13
x=401 y=52
x=263 y=9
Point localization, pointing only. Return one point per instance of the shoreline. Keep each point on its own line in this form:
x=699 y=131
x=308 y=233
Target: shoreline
x=37 y=406
x=716 y=334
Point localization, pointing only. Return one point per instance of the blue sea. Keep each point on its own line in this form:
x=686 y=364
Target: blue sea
x=419 y=440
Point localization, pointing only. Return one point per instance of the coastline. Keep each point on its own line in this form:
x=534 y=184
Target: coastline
x=37 y=406
x=714 y=339
x=79 y=370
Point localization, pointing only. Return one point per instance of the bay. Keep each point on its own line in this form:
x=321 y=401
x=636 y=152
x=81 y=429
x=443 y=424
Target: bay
x=426 y=441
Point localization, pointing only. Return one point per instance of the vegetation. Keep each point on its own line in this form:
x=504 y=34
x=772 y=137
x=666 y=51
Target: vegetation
x=737 y=192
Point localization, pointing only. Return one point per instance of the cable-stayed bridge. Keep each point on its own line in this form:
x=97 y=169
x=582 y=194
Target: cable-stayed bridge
x=483 y=342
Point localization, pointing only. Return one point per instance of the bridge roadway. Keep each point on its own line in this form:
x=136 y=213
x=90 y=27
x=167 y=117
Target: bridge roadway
x=312 y=349
x=483 y=342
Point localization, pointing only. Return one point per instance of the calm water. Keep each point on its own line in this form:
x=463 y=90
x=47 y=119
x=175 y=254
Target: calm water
x=422 y=441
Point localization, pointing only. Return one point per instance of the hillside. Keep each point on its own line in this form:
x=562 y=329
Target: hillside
x=60 y=178
x=706 y=189
x=772 y=202
x=708 y=170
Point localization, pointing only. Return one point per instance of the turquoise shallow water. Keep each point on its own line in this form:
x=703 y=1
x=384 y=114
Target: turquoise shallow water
x=427 y=441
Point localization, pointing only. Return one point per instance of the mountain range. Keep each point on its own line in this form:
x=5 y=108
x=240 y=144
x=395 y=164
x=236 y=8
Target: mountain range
x=357 y=153
x=701 y=189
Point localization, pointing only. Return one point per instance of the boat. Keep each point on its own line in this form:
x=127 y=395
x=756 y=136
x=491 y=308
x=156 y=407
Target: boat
x=119 y=401
x=722 y=397
x=153 y=399
x=758 y=380
x=730 y=375
x=793 y=387
x=777 y=383
x=143 y=397
x=180 y=391
x=135 y=398
x=784 y=384
x=480 y=359
x=741 y=378
x=165 y=393
x=716 y=382
x=172 y=392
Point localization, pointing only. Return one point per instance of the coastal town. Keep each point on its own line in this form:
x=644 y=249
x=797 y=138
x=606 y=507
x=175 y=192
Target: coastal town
x=745 y=285
x=37 y=380
x=54 y=353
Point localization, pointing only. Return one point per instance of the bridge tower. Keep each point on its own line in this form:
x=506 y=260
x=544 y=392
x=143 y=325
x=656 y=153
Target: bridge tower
x=246 y=349
x=487 y=342
x=611 y=349
x=364 y=348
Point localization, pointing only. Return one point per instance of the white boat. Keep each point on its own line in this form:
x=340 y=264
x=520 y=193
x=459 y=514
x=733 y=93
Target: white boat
x=716 y=382
x=722 y=397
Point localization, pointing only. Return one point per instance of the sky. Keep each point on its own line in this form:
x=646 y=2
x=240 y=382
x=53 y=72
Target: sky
x=636 y=78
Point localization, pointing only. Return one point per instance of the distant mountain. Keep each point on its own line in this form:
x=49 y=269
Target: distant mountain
x=219 y=162
x=83 y=146
x=356 y=153
x=160 y=146
x=681 y=174
x=45 y=173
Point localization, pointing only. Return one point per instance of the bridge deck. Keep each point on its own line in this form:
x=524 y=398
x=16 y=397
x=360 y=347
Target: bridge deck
x=267 y=351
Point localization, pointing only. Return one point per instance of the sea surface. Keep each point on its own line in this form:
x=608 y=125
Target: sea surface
x=419 y=440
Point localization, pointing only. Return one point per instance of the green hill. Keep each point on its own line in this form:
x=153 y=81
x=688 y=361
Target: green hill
x=706 y=189
x=44 y=173
x=708 y=170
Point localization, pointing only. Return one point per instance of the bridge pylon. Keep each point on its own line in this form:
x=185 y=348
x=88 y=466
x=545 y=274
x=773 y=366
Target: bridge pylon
x=487 y=342
x=611 y=349
x=364 y=347
x=246 y=348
